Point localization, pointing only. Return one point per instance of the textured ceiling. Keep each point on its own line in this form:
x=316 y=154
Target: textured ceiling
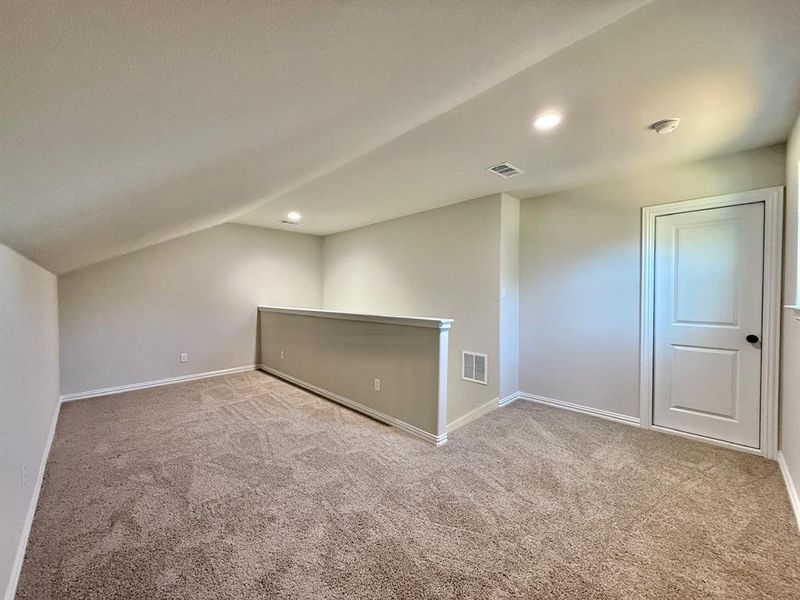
x=730 y=70
x=127 y=123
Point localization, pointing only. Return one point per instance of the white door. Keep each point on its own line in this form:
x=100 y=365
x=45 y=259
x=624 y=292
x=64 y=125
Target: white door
x=707 y=330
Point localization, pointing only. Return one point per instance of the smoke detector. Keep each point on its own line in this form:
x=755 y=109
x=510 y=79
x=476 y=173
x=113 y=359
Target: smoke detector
x=665 y=126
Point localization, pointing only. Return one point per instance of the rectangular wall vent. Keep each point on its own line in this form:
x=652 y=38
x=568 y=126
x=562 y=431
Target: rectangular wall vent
x=505 y=170
x=473 y=366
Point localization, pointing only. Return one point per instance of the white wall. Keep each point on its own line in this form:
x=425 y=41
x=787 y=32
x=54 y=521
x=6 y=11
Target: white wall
x=790 y=358
x=579 y=275
x=791 y=259
x=439 y=263
x=126 y=320
x=509 y=296
x=28 y=399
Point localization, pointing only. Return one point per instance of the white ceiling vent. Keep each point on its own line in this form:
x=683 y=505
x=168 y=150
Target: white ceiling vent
x=505 y=170
x=473 y=367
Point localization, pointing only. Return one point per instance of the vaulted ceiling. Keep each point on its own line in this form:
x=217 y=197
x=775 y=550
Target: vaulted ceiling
x=128 y=123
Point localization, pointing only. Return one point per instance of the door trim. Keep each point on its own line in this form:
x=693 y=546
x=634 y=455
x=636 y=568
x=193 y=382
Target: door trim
x=770 y=348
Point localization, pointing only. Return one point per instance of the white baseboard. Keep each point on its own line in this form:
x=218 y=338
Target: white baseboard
x=437 y=440
x=16 y=568
x=155 y=383
x=508 y=399
x=794 y=500
x=473 y=414
x=586 y=410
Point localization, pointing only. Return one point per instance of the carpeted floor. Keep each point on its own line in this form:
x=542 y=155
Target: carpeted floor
x=246 y=487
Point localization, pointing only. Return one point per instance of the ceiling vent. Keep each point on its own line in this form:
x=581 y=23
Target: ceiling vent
x=505 y=170
x=473 y=367
x=288 y=222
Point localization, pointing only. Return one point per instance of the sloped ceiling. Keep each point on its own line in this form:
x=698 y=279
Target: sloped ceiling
x=127 y=123
x=730 y=70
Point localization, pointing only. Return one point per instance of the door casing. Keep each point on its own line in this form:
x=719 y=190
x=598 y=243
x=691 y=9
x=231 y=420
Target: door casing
x=770 y=349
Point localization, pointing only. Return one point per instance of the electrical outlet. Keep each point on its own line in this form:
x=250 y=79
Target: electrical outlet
x=184 y=357
x=377 y=385
x=282 y=353
x=24 y=475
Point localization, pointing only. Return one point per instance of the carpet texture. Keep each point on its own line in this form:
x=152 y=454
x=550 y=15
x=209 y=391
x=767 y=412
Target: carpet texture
x=247 y=487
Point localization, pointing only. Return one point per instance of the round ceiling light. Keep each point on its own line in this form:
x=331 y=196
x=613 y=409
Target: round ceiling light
x=547 y=121
x=293 y=218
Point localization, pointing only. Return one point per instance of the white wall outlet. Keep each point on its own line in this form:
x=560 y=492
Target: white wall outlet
x=377 y=385
x=24 y=475
x=282 y=354
x=184 y=357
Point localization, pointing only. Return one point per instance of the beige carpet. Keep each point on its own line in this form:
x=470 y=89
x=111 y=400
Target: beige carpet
x=246 y=487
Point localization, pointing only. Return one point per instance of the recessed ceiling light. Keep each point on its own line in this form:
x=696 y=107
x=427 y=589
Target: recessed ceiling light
x=293 y=218
x=547 y=121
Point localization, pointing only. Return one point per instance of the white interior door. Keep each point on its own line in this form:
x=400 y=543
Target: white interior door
x=707 y=322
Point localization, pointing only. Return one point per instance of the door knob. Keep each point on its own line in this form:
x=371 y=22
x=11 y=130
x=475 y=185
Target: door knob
x=752 y=338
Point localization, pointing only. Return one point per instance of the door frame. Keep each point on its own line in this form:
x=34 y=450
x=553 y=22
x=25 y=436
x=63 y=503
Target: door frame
x=771 y=311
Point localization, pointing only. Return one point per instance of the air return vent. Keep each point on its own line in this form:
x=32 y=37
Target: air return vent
x=505 y=170
x=473 y=367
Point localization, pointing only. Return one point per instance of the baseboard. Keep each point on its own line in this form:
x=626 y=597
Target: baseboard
x=19 y=558
x=473 y=414
x=509 y=399
x=586 y=410
x=437 y=440
x=155 y=383
x=794 y=500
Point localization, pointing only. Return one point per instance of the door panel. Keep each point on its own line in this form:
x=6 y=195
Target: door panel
x=704 y=380
x=708 y=295
x=705 y=273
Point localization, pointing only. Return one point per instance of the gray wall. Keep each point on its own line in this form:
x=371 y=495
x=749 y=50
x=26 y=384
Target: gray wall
x=28 y=397
x=791 y=268
x=579 y=275
x=126 y=320
x=509 y=296
x=790 y=359
x=440 y=263
x=345 y=357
